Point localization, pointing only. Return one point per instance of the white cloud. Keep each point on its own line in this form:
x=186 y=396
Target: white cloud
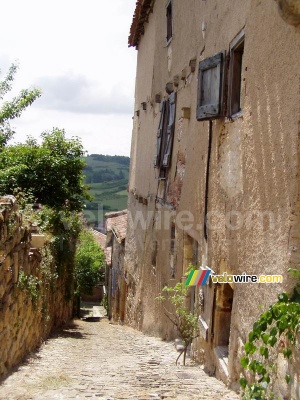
x=105 y=134
x=78 y=94
x=77 y=51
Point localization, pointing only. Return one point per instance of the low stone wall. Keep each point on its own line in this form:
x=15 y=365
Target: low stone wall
x=32 y=301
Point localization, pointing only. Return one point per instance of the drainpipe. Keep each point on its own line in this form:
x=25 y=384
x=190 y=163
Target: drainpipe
x=207 y=178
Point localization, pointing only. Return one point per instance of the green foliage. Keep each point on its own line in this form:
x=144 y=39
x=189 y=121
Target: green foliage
x=89 y=263
x=37 y=287
x=56 y=269
x=13 y=108
x=48 y=268
x=51 y=171
x=64 y=223
x=31 y=284
x=275 y=330
x=62 y=228
x=185 y=321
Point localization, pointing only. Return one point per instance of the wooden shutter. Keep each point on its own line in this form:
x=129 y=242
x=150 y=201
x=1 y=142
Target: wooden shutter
x=160 y=134
x=170 y=130
x=210 y=87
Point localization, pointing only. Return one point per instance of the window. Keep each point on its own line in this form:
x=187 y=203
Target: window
x=235 y=74
x=210 y=87
x=165 y=132
x=169 y=21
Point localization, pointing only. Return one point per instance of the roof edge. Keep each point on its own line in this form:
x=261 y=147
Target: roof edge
x=141 y=15
x=114 y=214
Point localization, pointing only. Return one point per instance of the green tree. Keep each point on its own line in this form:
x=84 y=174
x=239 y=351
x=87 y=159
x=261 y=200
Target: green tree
x=51 y=171
x=13 y=108
x=89 y=263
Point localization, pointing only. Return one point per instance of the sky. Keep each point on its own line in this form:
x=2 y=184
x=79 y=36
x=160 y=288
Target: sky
x=77 y=52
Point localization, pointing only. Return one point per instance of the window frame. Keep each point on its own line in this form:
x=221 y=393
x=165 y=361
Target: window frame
x=233 y=49
x=213 y=110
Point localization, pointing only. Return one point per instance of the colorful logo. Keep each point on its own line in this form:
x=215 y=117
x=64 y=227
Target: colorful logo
x=197 y=277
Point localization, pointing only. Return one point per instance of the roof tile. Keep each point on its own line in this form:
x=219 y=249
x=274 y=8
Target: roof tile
x=141 y=13
x=117 y=223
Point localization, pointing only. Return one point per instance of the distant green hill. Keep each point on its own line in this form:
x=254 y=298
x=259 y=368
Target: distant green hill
x=107 y=177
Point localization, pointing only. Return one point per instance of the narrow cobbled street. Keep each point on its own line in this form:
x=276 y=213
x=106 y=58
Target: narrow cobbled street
x=101 y=360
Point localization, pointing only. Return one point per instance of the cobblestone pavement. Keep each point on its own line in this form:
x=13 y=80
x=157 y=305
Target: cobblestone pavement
x=105 y=361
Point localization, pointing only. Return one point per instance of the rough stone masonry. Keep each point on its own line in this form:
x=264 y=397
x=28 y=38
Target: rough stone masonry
x=23 y=323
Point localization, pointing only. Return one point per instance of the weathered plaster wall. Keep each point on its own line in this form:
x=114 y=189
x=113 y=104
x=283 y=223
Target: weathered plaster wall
x=24 y=323
x=254 y=167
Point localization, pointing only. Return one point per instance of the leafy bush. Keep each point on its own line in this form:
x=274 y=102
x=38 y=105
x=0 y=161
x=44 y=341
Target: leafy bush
x=89 y=263
x=52 y=171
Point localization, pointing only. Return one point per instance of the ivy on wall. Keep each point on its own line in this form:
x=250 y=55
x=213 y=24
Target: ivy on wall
x=276 y=330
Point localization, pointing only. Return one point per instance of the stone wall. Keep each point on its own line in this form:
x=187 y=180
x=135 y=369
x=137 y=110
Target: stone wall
x=32 y=301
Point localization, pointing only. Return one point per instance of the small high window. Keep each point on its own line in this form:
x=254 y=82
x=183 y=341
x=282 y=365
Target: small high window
x=210 y=87
x=169 y=21
x=235 y=74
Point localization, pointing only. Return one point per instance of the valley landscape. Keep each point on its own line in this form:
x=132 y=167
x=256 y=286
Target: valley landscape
x=107 y=177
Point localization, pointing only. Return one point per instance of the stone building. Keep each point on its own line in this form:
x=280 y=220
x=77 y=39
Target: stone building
x=116 y=225
x=214 y=176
